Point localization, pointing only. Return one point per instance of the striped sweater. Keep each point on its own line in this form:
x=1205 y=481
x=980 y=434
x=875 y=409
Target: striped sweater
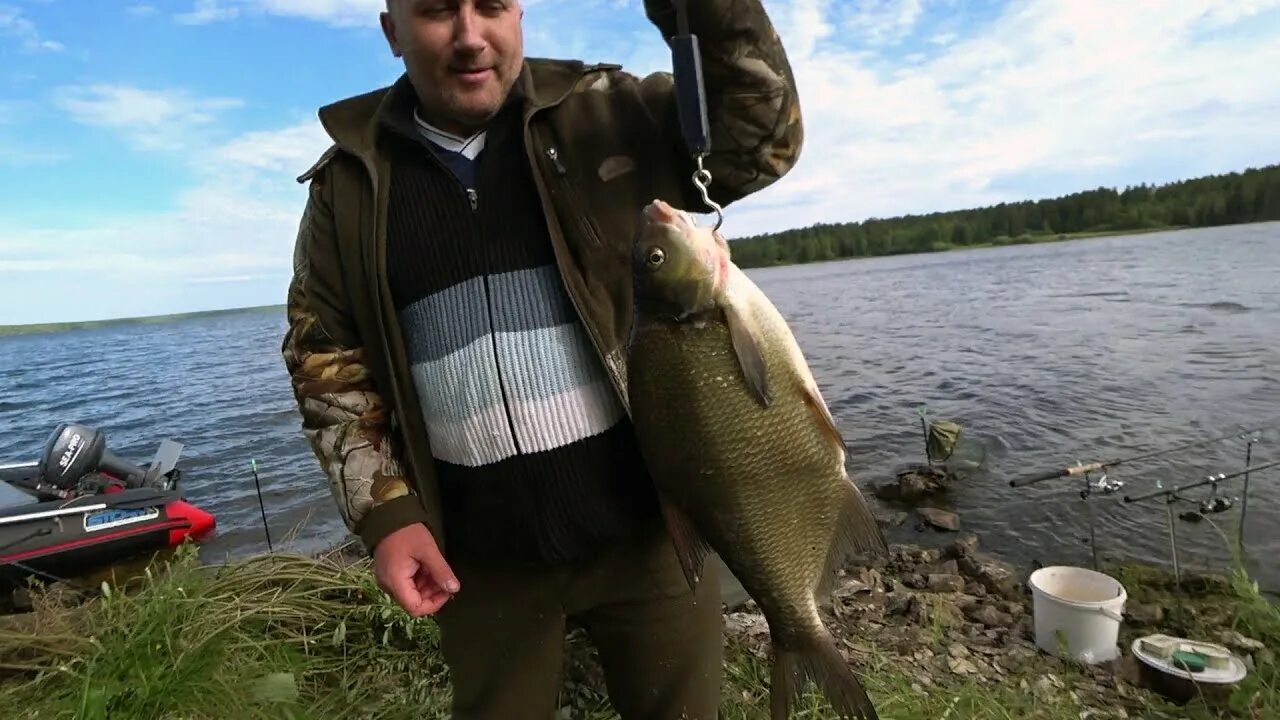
x=535 y=458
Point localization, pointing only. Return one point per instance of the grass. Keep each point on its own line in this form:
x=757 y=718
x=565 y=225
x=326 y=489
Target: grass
x=295 y=637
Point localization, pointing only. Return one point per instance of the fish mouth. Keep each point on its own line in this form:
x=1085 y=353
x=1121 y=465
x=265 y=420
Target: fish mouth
x=661 y=212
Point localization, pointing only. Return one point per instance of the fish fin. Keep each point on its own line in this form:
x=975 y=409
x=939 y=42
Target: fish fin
x=746 y=345
x=826 y=667
x=857 y=533
x=690 y=548
x=819 y=407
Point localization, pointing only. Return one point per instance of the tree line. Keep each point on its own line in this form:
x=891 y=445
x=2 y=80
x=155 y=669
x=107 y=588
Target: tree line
x=1239 y=197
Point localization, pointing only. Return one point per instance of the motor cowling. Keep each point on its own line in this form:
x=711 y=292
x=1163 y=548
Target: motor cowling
x=72 y=452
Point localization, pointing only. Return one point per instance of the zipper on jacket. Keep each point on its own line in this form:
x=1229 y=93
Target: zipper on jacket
x=475 y=201
x=531 y=142
x=555 y=158
x=584 y=221
x=497 y=366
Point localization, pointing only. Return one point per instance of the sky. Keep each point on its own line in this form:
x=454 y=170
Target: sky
x=148 y=150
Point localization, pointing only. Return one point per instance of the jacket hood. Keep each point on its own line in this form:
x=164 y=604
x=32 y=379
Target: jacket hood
x=352 y=123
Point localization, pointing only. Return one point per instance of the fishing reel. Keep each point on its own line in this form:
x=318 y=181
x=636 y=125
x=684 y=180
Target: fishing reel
x=1105 y=485
x=1212 y=504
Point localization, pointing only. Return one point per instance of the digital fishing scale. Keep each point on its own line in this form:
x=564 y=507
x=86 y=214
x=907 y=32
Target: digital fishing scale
x=691 y=101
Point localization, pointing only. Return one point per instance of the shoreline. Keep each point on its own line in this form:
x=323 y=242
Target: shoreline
x=930 y=632
x=1037 y=239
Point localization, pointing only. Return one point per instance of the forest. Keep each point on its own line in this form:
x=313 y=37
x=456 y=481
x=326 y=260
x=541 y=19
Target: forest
x=1239 y=197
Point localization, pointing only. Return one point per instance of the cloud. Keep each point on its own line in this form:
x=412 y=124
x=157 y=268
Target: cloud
x=205 y=12
x=235 y=224
x=142 y=10
x=1042 y=97
x=16 y=25
x=881 y=22
x=1048 y=97
x=169 y=120
x=339 y=13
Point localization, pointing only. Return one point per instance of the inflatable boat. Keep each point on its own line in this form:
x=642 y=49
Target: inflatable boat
x=80 y=508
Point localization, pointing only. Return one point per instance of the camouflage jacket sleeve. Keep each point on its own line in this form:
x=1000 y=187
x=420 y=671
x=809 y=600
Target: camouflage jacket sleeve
x=343 y=416
x=752 y=104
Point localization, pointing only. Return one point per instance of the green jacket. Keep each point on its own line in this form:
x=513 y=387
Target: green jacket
x=601 y=143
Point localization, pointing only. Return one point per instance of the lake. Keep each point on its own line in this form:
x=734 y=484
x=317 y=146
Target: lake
x=1045 y=354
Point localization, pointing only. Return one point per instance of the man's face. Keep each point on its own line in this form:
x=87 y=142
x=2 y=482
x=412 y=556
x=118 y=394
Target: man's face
x=462 y=56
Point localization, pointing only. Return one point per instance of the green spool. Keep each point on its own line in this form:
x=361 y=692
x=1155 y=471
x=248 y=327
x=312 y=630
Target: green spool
x=1190 y=661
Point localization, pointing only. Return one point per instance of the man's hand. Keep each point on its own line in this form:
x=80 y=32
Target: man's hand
x=410 y=568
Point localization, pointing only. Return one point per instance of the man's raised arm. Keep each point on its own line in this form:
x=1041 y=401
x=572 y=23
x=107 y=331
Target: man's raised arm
x=753 y=108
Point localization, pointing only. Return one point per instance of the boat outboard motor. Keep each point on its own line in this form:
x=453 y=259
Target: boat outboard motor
x=74 y=451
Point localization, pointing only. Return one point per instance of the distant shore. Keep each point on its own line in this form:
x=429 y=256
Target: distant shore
x=38 y=328
x=43 y=328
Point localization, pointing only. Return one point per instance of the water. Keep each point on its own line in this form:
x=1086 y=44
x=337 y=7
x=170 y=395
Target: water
x=1046 y=354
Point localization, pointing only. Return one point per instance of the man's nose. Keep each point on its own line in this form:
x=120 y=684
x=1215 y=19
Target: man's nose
x=466 y=29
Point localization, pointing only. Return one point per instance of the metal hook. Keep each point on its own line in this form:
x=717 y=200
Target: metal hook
x=701 y=179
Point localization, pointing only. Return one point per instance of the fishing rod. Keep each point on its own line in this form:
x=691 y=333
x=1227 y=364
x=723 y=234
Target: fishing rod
x=1211 y=480
x=1212 y=505
x=1080 y=468
x=261 y=507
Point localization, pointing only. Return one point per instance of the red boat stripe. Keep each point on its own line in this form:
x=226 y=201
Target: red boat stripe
x=72 y=545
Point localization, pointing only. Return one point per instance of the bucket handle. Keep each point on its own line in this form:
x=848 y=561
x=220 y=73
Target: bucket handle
x=1112 y=614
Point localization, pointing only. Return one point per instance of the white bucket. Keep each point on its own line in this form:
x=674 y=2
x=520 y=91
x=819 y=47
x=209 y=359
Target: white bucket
x=1077 y=613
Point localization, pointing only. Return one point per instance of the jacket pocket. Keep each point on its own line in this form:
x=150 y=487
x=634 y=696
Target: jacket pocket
x=574 y=203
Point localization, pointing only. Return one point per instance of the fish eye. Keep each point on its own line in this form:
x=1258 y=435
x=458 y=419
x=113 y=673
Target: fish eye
x=655 y=257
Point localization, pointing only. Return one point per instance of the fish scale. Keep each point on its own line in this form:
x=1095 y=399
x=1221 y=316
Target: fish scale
x=760 y=482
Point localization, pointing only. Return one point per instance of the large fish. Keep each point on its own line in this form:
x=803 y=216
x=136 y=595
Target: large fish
x=746 y=456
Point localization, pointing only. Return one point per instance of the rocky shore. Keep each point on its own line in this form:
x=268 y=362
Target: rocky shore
x=958 y=615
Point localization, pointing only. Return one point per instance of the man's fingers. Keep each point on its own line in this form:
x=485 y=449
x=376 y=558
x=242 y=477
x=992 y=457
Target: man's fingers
x=402 y=590
x=438 y=568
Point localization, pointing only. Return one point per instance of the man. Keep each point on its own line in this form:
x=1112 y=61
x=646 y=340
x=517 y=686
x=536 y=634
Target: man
x=457 y=330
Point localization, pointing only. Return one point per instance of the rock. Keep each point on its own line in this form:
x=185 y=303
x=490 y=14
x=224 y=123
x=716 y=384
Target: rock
x=973 y=587
x=966 y=546
x=899 y=603
x=871 y=578
x=913 y=486
x=1239 y=643
x=915 y=581
x=1143 y=614
x=946 y=567
x=927 y=556
x=851 y=587
x=888 y=491
x=961 y=666
x=945 y=583
x=989 y=616
x=940 y=519
x=891 y=519
x=958 y=651
x=997 y=577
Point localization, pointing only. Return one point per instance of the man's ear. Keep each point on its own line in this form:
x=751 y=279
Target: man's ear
x=389 y=32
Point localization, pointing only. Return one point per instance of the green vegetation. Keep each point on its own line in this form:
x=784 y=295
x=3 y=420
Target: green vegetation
x=145 y=320
x=293 y=637
x=1251 y=196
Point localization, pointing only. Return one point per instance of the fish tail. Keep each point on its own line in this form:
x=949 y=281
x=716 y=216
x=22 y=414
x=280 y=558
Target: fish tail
x=822 y=663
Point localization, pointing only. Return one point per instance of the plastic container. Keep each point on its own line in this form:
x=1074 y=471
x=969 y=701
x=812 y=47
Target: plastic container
x=1160 y=672
x=1077 y=613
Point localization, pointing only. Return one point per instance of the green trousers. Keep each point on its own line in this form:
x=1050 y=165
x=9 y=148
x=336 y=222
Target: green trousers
x=660 y=645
